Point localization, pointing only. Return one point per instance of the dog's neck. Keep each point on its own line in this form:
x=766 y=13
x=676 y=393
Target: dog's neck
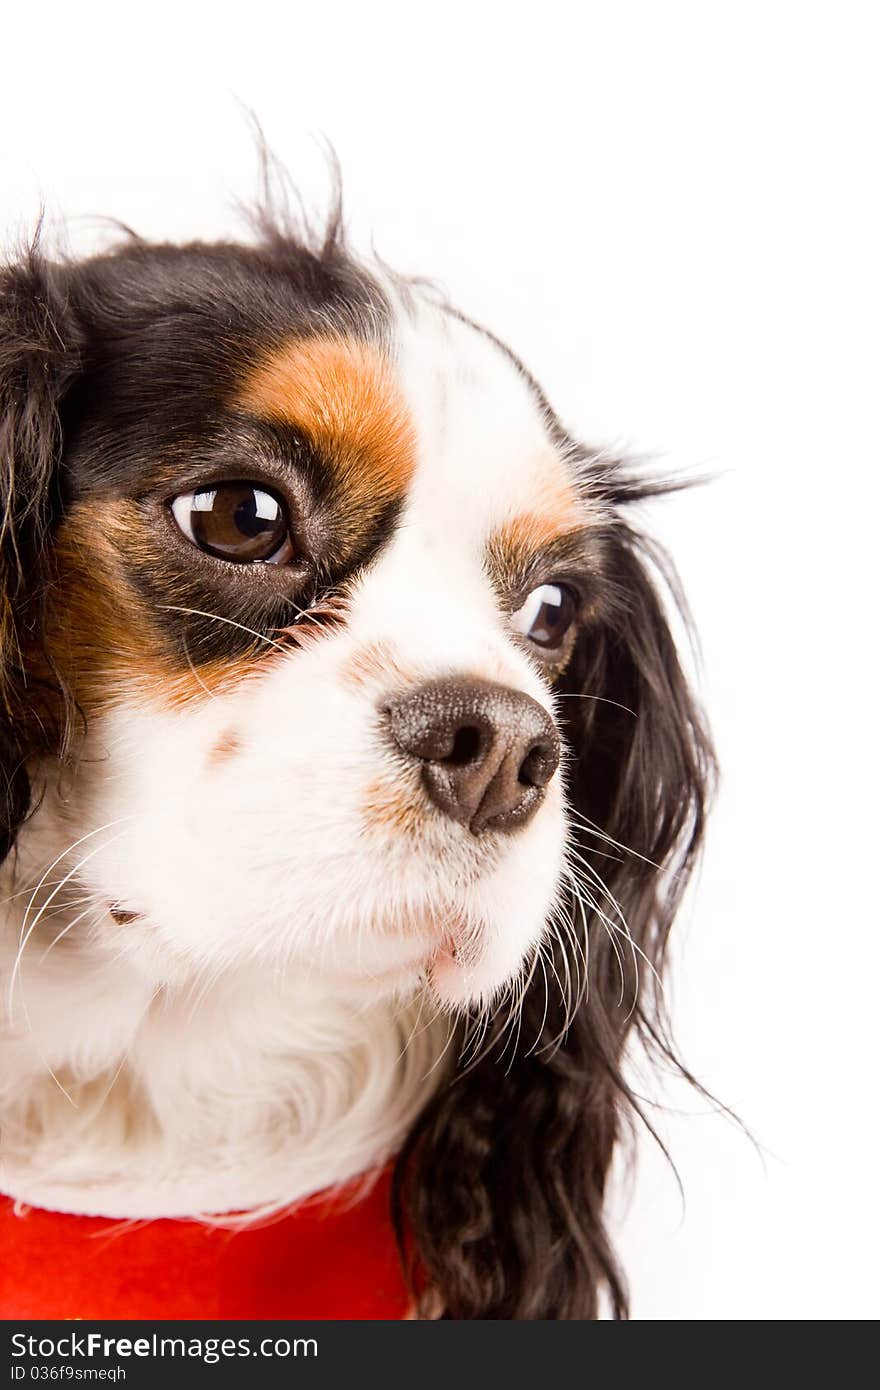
x=123 y=1093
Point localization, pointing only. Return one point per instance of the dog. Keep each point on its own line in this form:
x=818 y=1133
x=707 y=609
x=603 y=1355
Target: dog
x=351 y=775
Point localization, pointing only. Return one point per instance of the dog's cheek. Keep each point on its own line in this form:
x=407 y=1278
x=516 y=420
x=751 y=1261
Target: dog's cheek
x=228 y=816
x=252 y=825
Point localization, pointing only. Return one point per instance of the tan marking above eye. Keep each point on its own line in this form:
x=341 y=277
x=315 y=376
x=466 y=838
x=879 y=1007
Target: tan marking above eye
x=550 y=508
x=515 y=545
x=341 y=394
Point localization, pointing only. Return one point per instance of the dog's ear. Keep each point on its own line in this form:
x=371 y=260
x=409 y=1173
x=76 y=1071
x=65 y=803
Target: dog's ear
x=38 y=361
x=502 y=1184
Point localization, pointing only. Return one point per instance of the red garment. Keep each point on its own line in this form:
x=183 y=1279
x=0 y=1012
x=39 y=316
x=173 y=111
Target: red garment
x=326 y=1259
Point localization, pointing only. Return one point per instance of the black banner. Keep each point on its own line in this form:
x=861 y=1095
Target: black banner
x=273 y=1353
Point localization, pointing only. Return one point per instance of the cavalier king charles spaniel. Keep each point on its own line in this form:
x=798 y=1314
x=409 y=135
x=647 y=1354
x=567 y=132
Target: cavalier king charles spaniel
x=351 y=779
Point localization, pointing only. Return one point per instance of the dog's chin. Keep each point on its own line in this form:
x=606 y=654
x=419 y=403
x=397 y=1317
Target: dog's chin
x=461 y=981
x=452 y=985
x=455 y=977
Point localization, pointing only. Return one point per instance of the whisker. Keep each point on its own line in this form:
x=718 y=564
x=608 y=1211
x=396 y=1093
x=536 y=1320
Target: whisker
x=96 y=908
x=546 y=1008
x=590 y=828
x=43 y=1058
x=577 y=888
x=565 y=999
x=221 y=618
x=63 y=855
x=624 y=926
x=25 y=938
x=189 y=661
x=24 y=892
x=601 y=699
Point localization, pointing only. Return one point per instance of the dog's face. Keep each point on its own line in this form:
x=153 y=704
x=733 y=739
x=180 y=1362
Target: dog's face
x=316 y=579
x=323 y=647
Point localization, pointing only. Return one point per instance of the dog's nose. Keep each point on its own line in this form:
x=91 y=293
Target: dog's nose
x=487 y=752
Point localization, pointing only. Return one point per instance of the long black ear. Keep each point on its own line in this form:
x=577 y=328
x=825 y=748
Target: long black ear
x=38 y=359
x=502 y=1184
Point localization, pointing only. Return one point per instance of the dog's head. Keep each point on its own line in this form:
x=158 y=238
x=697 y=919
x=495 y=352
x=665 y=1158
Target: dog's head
x=353 y=666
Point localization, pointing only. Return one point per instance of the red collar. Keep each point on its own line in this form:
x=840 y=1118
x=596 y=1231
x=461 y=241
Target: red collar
x=334 y=1256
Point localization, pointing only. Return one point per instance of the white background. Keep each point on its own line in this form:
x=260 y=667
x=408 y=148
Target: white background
x=669 y=210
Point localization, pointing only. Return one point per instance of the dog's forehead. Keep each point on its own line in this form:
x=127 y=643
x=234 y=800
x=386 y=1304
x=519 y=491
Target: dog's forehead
x=432 y=415
x=484 y=447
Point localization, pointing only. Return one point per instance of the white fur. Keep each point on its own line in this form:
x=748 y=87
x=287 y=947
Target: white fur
x=280 y=1010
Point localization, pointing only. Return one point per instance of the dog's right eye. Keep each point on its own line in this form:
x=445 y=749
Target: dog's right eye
x=235 y=521
x=546 y=615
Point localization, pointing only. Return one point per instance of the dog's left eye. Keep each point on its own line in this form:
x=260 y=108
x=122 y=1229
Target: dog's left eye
x=546 y=615
x=235 y=521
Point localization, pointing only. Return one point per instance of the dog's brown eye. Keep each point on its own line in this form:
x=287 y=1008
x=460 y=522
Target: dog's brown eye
x=235 y=521
x=546 y=615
